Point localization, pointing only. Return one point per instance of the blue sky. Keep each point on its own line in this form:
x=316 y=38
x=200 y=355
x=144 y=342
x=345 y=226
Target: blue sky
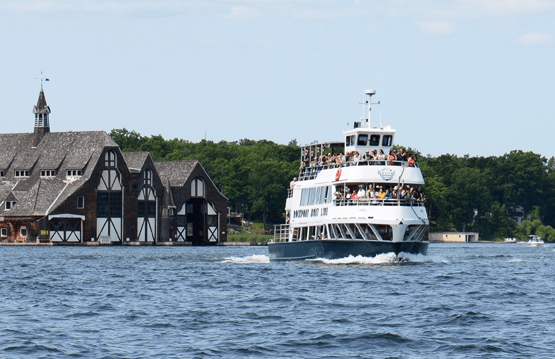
x=459 y=76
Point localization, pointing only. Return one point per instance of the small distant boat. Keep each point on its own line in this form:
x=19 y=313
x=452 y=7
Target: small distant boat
x=510 y=240
x=533 y=241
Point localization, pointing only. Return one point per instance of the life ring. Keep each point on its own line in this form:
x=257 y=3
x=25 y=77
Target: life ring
x=338 y=174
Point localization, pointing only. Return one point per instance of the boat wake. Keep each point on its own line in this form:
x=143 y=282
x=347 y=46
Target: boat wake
x=255 y=258
x=386 y=258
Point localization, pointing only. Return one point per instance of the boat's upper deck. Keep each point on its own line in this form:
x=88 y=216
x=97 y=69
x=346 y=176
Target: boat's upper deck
x=362 y=147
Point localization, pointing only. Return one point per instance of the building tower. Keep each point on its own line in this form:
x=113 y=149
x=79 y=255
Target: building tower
x=42 y=123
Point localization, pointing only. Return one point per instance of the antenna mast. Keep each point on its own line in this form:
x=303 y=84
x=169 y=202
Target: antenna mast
x=370 y=93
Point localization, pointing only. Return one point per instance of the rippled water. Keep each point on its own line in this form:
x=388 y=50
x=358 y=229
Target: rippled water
x=460 y=301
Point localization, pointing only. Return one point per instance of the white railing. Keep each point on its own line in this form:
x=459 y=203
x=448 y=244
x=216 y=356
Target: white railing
x=310 y=172
x=281 y=233
x=378 y=202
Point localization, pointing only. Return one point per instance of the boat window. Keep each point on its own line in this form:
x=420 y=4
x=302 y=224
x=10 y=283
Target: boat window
x=311 y=193
x=317 y=196
x=323 y=195
x=304 y=197
x=362 y=140
x=375 y=140
x=350 y=140
x=387 y=140
x=329 y=195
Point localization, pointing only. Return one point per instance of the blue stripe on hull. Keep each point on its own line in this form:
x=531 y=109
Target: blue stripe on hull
x=333 y=249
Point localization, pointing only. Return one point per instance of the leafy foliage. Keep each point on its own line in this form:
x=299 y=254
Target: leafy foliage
x=483 y=194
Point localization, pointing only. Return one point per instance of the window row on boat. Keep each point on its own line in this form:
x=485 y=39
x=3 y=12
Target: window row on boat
x=355 y=231
x=366 y=139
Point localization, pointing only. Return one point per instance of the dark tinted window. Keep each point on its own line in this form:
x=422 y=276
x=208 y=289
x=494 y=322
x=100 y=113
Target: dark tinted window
x=387 y=140
x=375 y=140
x=362 y=140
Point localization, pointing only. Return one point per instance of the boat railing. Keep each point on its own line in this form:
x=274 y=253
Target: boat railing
x=378 y=202
x=310 y=172
x=281 y=233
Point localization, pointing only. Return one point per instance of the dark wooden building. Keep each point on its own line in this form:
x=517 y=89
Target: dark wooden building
x=78 y=187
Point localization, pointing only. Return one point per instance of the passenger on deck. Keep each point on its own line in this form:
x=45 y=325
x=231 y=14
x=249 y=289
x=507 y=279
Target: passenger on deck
x=293 y=183
x=391 y=157
x=381 y=194
x=381 y=157
x=361 y=192
x=370 y=194
x=356 y=158
x=411 y=161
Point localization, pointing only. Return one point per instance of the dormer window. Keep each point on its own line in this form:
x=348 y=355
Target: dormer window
x=47 y=173
x=147 y=177
x=110 y=159
x=23 y=173
x=197 y=188
x=1 y=173
x=9 y=204
x=74 y=173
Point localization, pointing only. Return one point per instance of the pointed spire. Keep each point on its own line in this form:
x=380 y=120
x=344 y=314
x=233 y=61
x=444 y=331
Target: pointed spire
x=41 y=103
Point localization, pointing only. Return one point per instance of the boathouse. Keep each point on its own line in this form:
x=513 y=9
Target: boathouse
x=453 y=237
x=79 y=188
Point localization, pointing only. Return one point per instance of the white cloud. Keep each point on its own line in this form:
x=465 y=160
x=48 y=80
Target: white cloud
x=535 y=39
x=442 y=28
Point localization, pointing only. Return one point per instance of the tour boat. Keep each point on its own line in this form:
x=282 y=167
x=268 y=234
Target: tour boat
x=325 y=220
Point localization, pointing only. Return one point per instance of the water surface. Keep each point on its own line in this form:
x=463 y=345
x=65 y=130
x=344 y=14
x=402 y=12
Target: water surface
x=460 y=301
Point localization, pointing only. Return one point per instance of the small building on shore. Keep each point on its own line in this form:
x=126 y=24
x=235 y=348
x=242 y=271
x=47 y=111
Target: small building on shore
x=79 y=188
x=453 y=237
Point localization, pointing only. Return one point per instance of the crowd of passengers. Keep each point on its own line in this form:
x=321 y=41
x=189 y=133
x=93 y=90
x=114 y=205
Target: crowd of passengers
x=354 y=158
x=381 y=192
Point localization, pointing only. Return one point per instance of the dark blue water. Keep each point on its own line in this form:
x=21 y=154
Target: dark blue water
x=461 y=301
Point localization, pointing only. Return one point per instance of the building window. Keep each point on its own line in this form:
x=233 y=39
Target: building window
x=23 y=231
x=23 y=173
x=197 y=188
x=74 y=173
x=147 y=180
x=48 y=173
x=1 y=173
x=189 y=208
x=110 y=159
x=9 y=204
x=80 y=202
x=3 y=232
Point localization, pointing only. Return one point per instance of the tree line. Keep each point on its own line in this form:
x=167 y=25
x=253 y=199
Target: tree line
x=480 y=194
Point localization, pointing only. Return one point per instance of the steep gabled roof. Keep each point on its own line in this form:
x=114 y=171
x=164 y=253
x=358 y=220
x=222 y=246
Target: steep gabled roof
x=135 y=160
x=59 y=151
x=10 y=145
x=176 y=172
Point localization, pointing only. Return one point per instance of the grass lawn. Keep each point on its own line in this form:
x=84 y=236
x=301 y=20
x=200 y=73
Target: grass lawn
x=256 y=235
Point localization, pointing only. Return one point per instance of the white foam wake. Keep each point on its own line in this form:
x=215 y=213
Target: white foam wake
x=255 y=258
x=379 y=259
x=420 y=258
x=386 y=258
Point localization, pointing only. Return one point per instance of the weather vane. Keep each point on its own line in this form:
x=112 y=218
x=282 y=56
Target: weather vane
x=41 y=79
